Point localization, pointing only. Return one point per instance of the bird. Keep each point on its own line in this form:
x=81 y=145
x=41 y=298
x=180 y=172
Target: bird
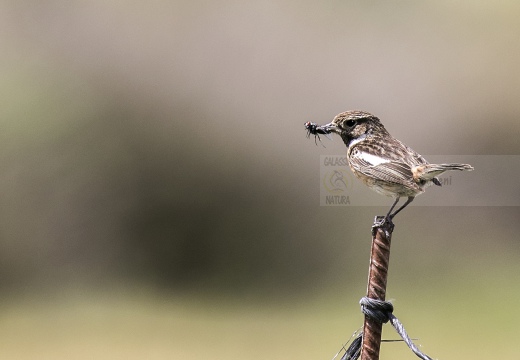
x=380 y=161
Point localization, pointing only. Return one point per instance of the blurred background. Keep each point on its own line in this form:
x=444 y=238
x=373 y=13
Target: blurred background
x=160 y=199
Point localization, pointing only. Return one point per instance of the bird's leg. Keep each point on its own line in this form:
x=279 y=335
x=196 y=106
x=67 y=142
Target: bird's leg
x=387 y=219
x=380 y=220
x=410 y=199
x=392 y=207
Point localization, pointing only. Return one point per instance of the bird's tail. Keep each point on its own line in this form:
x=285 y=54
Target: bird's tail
x=430 y=171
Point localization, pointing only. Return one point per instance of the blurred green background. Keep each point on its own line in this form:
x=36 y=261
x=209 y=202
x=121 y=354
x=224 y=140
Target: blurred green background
x=160 y=199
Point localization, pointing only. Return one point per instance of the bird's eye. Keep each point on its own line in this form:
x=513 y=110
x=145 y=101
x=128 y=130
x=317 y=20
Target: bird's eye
x=351 y=123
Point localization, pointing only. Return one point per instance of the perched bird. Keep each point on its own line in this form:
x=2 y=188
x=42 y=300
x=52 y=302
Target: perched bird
x=382 y=162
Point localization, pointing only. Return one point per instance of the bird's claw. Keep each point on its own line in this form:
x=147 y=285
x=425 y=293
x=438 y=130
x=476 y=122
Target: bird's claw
x=382 y=222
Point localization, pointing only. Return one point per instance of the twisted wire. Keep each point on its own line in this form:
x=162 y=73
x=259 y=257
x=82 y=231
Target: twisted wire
x=381 y=311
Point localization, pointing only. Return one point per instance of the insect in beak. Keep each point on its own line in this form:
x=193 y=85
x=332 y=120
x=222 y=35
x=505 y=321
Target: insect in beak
x=314 y=129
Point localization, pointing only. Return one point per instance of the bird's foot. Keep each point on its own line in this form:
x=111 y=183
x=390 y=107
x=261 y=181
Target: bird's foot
x=382 y=222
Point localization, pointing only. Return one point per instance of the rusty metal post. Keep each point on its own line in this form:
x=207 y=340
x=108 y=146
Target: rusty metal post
x=376 y=288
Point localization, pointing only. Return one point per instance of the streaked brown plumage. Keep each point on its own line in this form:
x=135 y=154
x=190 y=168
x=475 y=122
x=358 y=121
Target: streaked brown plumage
x=382 y=162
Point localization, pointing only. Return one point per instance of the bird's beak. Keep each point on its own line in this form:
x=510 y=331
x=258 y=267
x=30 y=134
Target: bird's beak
x=328 y=129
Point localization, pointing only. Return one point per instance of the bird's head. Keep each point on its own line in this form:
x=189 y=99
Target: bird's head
x=353 y=124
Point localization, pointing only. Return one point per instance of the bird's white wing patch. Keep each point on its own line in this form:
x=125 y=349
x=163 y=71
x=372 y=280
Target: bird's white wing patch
x=373 y=160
